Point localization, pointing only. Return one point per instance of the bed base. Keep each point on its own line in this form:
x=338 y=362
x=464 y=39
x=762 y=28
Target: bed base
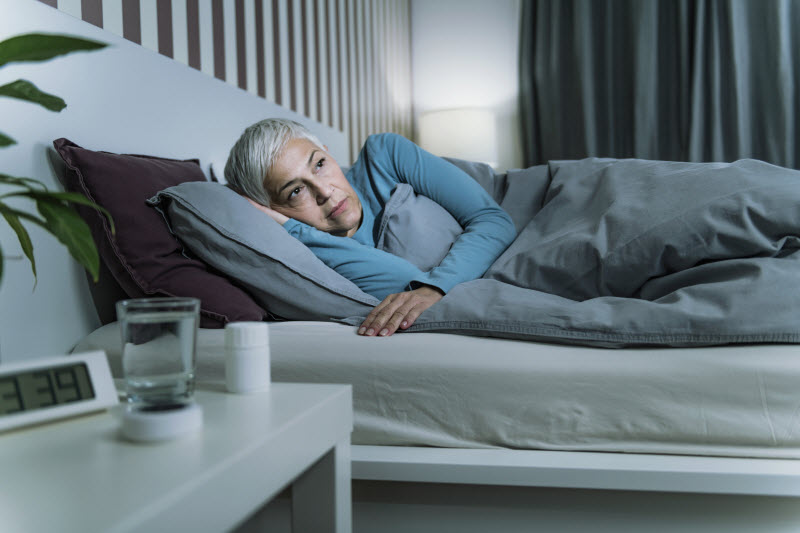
x=467 y=490
x=434 y=490
x=578 y=470
x=394 y=507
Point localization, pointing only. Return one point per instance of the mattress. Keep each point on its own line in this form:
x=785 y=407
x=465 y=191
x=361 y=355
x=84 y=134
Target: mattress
x=436 y=389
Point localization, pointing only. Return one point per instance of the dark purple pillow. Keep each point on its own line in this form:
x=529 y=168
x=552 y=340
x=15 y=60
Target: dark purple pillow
x=143 y=256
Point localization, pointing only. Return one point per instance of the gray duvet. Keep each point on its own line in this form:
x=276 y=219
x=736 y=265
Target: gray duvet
x=622 y=253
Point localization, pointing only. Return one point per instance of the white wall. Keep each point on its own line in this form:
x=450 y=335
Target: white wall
x=464 y=54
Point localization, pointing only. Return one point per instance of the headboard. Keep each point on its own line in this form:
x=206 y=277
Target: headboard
x=124 y=99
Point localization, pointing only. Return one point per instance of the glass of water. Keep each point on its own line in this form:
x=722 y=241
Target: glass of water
x=158 y=350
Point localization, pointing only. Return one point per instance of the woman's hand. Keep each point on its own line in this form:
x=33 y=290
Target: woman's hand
x=399 y=311
x=277 y=217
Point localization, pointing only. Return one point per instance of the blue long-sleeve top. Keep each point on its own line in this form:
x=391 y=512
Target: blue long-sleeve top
x=386 y=160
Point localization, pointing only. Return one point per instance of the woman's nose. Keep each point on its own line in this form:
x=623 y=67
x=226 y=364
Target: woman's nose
x=323 y=193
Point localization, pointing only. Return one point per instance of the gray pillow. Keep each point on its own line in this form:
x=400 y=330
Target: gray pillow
x=416 y=228
x=483 y=174
x=278 y=271
x=519 y=191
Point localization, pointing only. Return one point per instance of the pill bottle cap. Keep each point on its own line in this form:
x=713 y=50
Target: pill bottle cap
x=246 y=334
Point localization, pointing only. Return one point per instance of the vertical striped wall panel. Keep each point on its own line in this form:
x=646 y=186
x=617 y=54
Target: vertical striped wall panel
x=345 y=63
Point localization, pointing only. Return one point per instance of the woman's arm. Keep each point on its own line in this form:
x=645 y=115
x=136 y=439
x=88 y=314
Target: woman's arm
x=488 y=230
x=374 y=271
x=381 y=274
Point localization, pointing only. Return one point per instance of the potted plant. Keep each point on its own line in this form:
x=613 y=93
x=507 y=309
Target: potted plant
x=56 y=214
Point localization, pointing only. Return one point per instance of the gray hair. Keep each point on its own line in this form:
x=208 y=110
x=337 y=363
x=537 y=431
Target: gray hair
x=253 y=155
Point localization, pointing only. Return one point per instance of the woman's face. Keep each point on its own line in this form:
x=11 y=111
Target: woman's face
x=306 y=184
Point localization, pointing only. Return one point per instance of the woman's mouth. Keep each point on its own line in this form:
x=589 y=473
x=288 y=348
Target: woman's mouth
x=338 y=209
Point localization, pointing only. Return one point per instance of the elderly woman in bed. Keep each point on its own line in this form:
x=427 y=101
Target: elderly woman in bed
x=286 y=172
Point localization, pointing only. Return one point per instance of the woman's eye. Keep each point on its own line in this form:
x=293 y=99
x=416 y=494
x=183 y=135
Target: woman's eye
x=321 y=162
x=294 y=192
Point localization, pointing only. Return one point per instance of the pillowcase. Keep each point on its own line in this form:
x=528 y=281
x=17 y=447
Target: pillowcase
x=483 y=173
x=416 y=228
x=519 y=191
x=143 y=256
x=223 y=229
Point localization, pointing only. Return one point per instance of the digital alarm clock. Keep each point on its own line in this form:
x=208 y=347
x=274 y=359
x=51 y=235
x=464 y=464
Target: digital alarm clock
x=52 y=388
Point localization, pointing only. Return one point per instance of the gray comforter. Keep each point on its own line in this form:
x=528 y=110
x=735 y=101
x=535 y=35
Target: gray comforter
x=628 y=252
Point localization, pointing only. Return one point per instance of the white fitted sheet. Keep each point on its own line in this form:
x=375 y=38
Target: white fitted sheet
x=434 y=389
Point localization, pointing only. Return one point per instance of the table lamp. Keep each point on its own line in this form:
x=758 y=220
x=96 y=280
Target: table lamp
x=462 y=133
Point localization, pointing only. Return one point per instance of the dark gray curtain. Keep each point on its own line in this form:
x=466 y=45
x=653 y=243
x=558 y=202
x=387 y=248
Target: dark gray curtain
x=684 y=80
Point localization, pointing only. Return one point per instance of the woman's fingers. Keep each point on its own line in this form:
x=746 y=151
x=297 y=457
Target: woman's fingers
x=380 y=323
x=388 y=322
x=379 y=316
x=398 y=311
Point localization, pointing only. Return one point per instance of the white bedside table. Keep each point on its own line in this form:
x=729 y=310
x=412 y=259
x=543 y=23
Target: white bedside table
x=81 y=475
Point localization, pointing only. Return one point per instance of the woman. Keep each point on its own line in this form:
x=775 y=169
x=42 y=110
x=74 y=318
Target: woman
x=286 y=172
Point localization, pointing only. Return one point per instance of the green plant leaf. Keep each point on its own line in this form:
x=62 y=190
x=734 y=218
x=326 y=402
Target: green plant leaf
x=43 y=46
x=25 y=90
x=59 y=217
x=28 y=183
x=30 y=218
x=5 y=140
x=22 y=235
x=69 y=228
x=71 y=197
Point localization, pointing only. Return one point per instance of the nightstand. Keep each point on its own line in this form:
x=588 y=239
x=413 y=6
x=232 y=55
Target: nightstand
x=81 y=475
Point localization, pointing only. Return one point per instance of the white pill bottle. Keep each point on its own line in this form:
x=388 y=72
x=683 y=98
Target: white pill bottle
x=247 y=360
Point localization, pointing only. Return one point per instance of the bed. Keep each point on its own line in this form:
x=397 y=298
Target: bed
x=662 y=437
x=452 y=432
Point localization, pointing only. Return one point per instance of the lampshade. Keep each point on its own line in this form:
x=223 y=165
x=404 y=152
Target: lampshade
x=463 y=133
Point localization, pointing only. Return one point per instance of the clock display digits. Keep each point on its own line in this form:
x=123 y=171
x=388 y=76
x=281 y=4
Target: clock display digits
x=43 y=394
x=44 y=387
x=67 y=385
x=10 y=395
